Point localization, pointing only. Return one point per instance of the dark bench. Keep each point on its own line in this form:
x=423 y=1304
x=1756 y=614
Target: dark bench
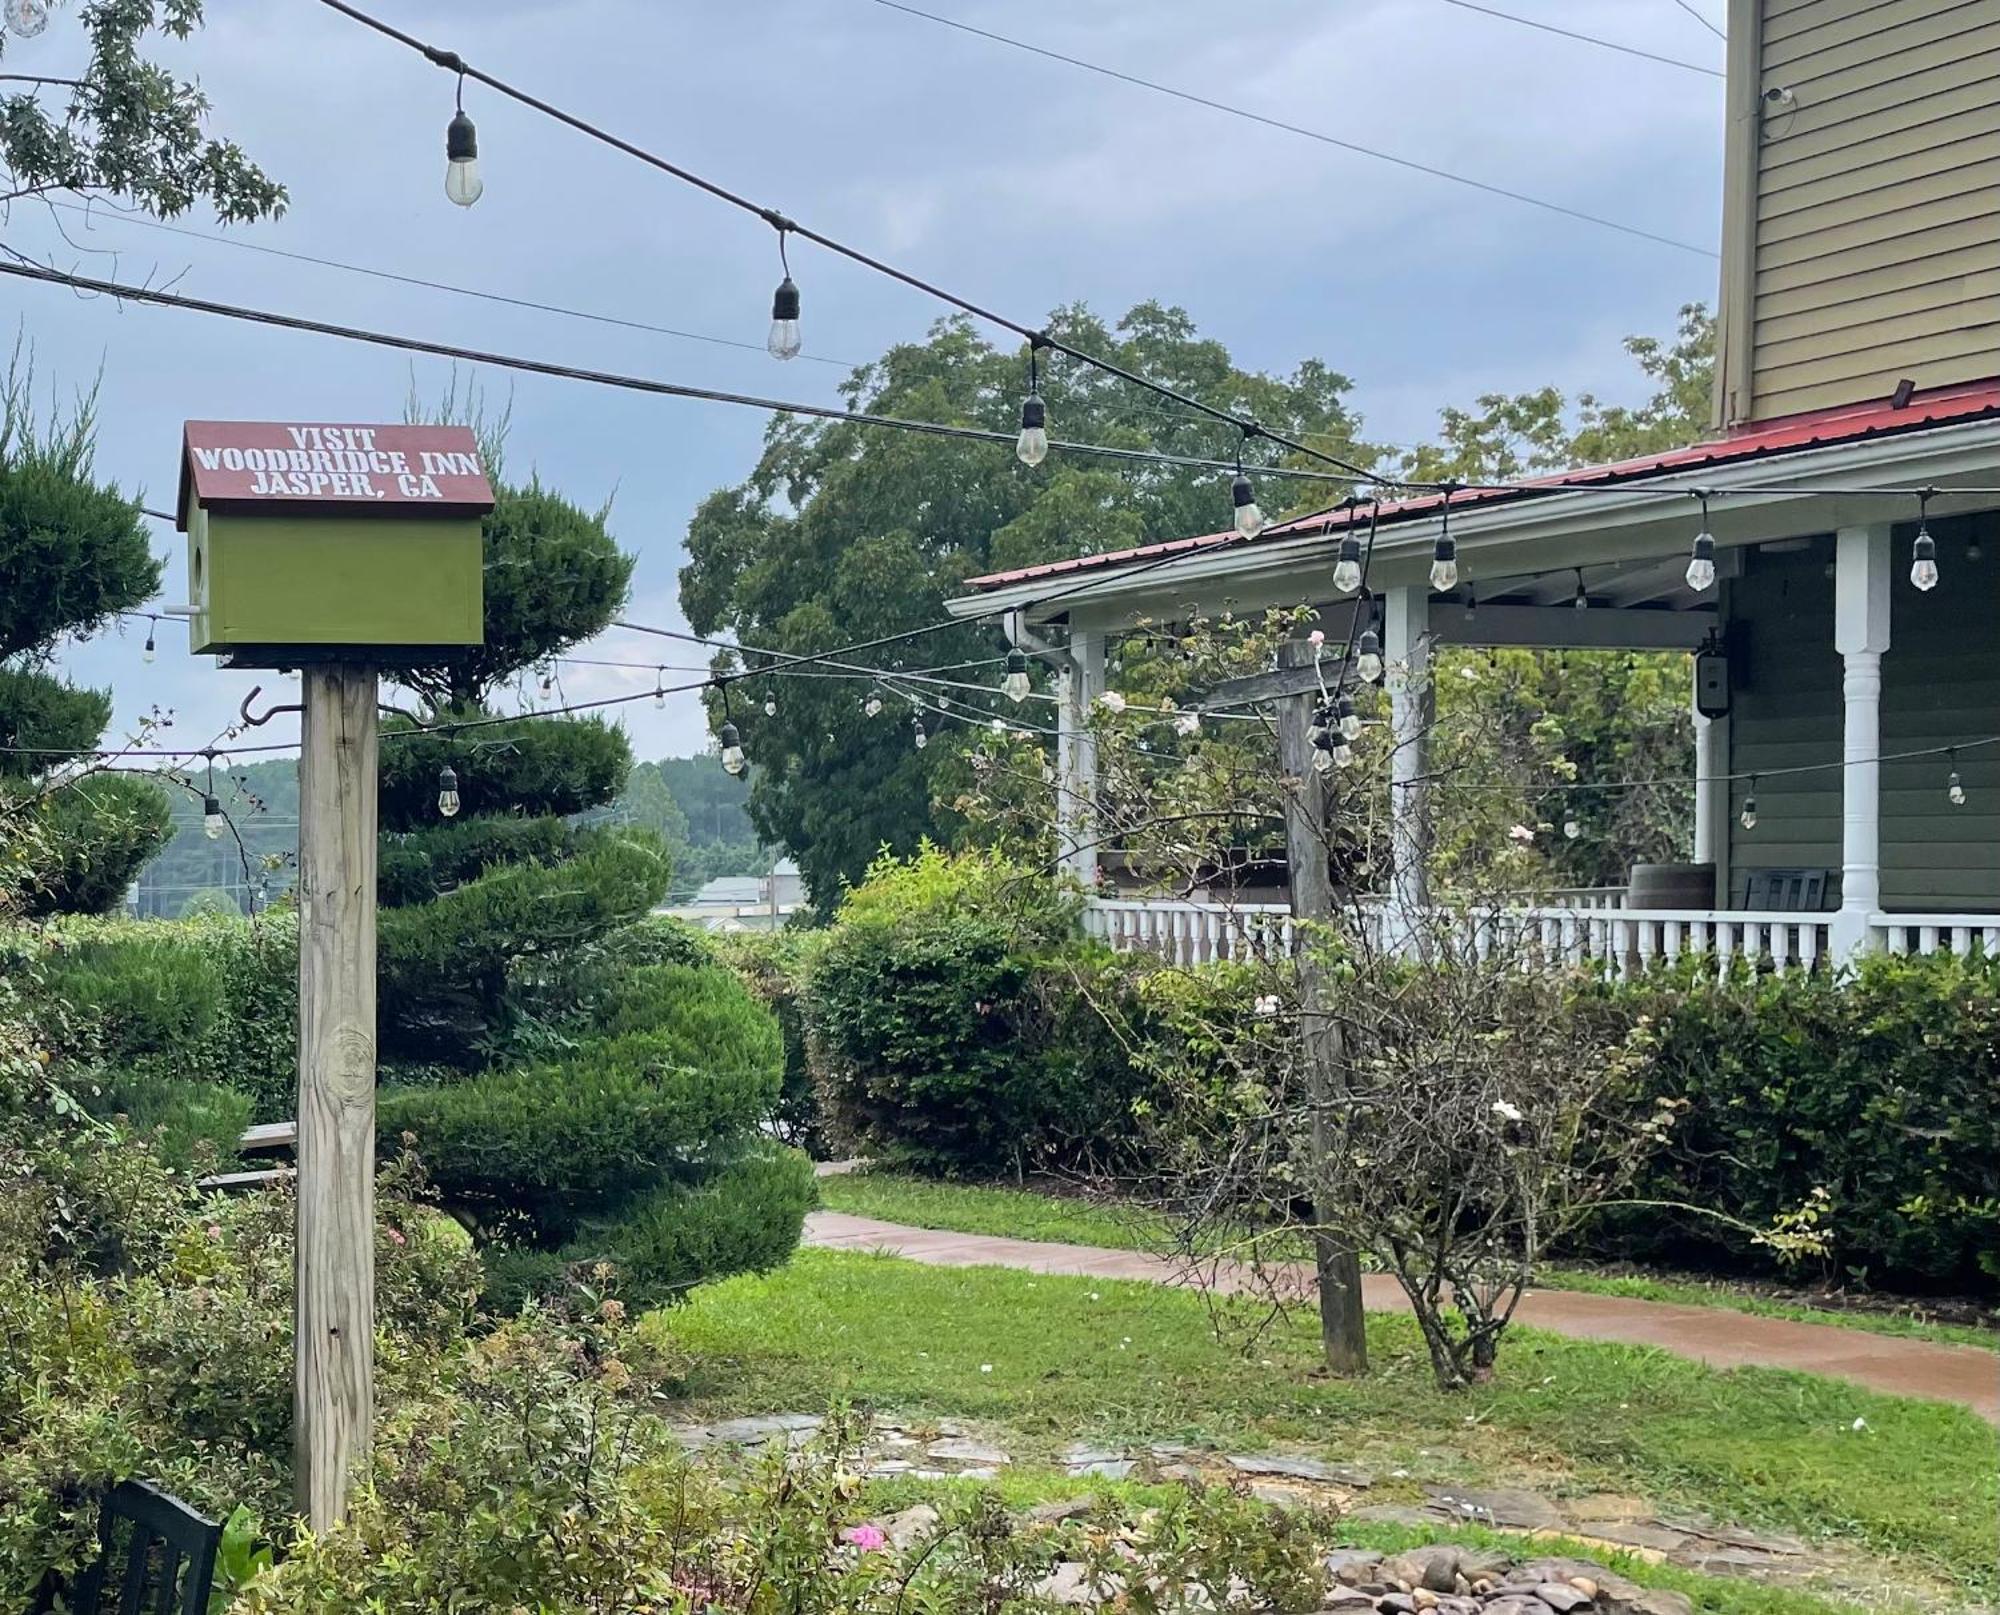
x=161 y=1552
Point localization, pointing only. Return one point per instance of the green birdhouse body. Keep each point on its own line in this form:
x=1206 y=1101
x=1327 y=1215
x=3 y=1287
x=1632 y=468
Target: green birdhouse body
x=332 y=543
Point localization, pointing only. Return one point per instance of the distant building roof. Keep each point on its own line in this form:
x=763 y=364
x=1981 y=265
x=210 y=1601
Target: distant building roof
x=785 y=866
x=731 y=890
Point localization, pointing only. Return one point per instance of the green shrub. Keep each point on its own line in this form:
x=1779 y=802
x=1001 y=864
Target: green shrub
x=940 y=1024
x=420 y=865
x=1876 y=1088
x=699 y=1015
x=98 y=833
x=776 y=966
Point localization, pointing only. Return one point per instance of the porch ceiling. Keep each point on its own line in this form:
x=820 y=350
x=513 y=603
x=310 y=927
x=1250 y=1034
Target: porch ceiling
x=1521 y=553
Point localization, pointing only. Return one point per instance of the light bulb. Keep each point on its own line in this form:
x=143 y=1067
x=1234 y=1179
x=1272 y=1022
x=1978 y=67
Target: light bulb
x=1571 y=829
x=1748 y=816
x=1582 y=600
x=1368 y=659
x=1350 y=720
x=659 y=697
x=1343 y=754
x=785 y=341
x=211 y=818
x=923 y=739
x=998 y=726
x=1444 y=565
x=448 y=792
x=1701 y=567
x=872 y=706
x=1249 y=519
x=1347 y=570
x=1954 y=790
x=27 y=17
x=1323 y=761
x=732 y=749
x=1015 y=685
x=1923 y=561
x=1032 y=446
x=150 y=653
x=461 y=170
x=770 y=707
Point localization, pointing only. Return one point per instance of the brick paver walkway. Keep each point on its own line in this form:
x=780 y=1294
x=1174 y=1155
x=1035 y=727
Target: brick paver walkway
x=1713 y=1335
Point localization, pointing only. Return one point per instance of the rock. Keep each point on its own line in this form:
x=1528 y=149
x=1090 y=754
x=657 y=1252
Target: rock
x=1516 y=1510
x=906 y=1529
x=1506 y=1603
x=1351 y=1566
x=1297 y=1467
x=1584 y=1585
x=1491 y=1563
x=1395 y=1514
x=1170 y=1449
x=1607 y=1506
x=1433 y=1568
x=979 y=1472
x=1561 y=1596
x=1061 y=1508
x=754 y=1432
x=887 y=1468
x=1397 y=1603
x=1103 y=1468
x=1712 y=1561
x=1653 y=1601
x=1277 y=1496
x=1069 y=1583
x=1346 y=1600
x=1423 y=1598
x=959 y=1450
x=1639 y=1534
x=1179 y=1472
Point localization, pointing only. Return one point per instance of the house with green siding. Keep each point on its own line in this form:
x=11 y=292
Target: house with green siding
x=1842 y=608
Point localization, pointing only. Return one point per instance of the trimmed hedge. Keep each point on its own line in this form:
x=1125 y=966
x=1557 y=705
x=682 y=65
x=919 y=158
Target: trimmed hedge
x=1879 y=1088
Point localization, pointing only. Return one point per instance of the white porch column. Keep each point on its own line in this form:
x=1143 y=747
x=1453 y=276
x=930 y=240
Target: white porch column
x=1861 y=635
x=1076 y=757
x=1711 y=800
x=1406 y=651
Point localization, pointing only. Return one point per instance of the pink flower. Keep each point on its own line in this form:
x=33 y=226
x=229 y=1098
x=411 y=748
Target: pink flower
x=215 y=1230
x=865 y=1537
x=397 y=1235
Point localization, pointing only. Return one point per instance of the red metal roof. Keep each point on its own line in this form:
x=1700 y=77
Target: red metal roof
x=1815 y=429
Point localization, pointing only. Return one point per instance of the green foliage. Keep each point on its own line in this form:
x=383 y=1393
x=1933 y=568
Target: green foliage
x=98 y=832
x=936 y=1021
x=57 y=719
x=517 y=769
x=700 y=1014
x=1875 y=1090
x=841 y=534
x=777 y=966
x=418 y=866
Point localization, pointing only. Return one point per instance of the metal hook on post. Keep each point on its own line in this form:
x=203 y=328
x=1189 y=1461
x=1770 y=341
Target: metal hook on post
x=257 y=721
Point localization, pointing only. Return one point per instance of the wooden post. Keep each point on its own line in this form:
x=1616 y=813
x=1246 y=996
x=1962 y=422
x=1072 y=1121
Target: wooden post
x=1342 y=1330
x=334 y=1311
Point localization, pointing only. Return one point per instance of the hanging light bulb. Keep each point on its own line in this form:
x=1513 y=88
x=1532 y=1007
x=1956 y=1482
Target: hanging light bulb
x=998 y=726
x=1343 y=754
x=785 y=341
x=1015 y=685
x=1031 y=448
x=1571 y=829
x=732 y=749
x=1347 y=570
x=448 y=803
x=548 y=681
x=461 y=151
x=1368 y=657
x=1923 y=553
x=922 y=736
x=1350 y=720
x=872 y=706
x=1748 y=817
x=1701 y=565
x=1249 y=519
x=1323 y=753
x=1320 y=727
x=151 y=652
x=27 y=18
x=211 y=817
x=1582 y=600
x=1471 y=601
x=1954 y=787
x=659 y=688
x=770 y=707
x=1444 y=554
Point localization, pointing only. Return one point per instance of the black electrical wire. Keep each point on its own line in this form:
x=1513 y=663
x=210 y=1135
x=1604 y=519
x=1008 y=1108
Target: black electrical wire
x=1589 y=39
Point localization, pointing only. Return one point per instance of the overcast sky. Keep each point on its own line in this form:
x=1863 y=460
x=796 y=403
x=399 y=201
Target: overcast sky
x=1019 y=181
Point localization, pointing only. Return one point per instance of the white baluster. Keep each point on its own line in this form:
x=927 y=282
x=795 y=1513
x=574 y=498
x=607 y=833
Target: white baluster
x=1927 y=939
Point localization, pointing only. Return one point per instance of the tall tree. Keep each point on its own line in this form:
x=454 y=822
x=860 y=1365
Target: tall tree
x=844 y=532
x=73 y=554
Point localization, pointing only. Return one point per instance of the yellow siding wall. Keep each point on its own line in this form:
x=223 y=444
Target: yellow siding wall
x=1870 y=170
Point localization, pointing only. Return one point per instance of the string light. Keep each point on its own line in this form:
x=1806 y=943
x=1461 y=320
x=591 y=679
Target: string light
x=1572 y=829
x=1031 y=448
x=1701 y=565
x=660 y=689
x=785 y=341
x=1347 y=570
x=922 y=736
x=1444 y=554
x=1323 y=744
x=1350 y=720
x=1249 y=519
x=1923 y=553
x=1015 y=685
x=872 y=706
x=27 y=18
x=1582 y=600
x=770 y=706
x=461 y=152
x=1748 y=817
x=1954 y=787
x=151 y=652
x=448 y=803
x=1368 y=653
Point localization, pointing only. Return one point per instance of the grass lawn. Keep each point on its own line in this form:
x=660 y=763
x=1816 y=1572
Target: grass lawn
x=1029 y=1214
x=1044 y=1361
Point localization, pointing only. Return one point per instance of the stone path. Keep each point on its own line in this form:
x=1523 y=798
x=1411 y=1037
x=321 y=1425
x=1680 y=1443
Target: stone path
x=1966 y=1375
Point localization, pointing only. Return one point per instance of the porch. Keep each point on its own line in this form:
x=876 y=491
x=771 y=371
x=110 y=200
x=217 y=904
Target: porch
x=1846 y=717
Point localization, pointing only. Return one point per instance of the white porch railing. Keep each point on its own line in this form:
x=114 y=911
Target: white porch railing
x=1937 y=933
x=1625 y=940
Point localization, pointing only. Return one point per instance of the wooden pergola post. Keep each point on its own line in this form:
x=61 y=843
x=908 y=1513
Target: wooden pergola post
x=334 y=1271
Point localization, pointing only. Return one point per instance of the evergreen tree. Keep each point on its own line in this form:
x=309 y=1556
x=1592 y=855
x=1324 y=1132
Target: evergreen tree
x=73 y=554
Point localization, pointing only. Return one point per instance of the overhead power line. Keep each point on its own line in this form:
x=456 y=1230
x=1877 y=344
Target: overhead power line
x=1589 y=39
x=1268 y=122
x=1695 y=12
x=1038 y=338
x=609 y=378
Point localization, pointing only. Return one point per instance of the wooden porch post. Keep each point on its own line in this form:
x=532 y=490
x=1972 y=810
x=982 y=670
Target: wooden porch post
x=334 y=1260
x=1076 y=757
x=1861 y=635
x=1406 y=652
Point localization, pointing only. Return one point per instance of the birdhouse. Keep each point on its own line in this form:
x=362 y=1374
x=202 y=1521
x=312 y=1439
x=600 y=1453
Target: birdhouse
x=314 y=543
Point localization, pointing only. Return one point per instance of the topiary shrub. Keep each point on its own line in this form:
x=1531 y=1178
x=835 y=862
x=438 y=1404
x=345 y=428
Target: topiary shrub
x=776 y=966
x=937 y=1013
x=1874 y=1086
